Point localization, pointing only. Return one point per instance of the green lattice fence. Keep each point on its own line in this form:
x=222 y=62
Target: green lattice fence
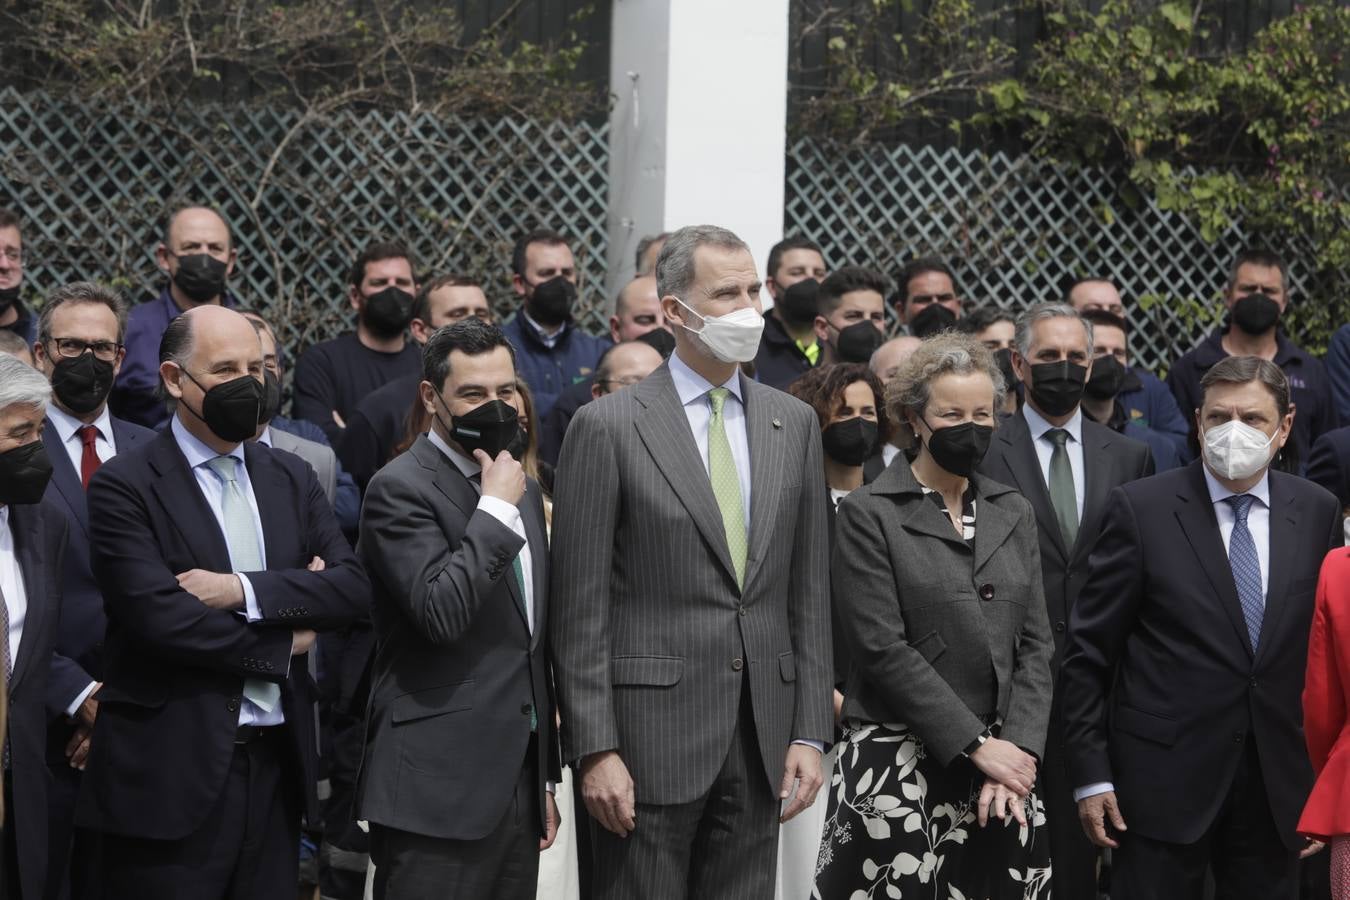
x=302 y=196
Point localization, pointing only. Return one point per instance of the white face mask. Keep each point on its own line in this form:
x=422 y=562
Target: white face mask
x=733 y=338
x=1236 y=450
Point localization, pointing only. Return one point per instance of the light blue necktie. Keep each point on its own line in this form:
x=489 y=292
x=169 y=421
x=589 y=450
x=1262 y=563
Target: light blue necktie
x=1246 y=567
x=241 y=536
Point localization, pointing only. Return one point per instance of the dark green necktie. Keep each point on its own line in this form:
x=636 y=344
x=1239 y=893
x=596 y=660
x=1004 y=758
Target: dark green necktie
x=1062 y=493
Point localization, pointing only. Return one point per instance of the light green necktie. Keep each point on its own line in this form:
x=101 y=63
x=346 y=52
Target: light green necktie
x=241 y=536
x=726 y=484
x=1062 y=493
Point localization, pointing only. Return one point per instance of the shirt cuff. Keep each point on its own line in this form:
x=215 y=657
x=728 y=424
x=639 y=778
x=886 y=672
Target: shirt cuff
x=79 y=699
x=818 y=746
x=500 y=510
x=550 y=787
x=1093 y=790
x=251 y=610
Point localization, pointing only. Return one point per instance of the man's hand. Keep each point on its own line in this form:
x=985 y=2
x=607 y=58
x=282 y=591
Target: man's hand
x=77 y=748
x=338 y=420
x=802 y=766
x=607 y=789
x=302 y=640
x=1313 y=848
x=502 y=477
x=1094 y=811
x=216 y=590
x=997 y=800
x=88 y=710
x=315 y=565
x=1008 y=764
x=838 y=706
x=551 y=822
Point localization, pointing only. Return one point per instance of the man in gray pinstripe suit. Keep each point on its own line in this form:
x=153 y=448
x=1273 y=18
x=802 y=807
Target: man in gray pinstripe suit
x=691 y=636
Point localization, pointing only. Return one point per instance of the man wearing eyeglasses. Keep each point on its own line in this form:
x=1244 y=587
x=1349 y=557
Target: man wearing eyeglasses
x=79 y=349
x=624 y=365
x=14 y=316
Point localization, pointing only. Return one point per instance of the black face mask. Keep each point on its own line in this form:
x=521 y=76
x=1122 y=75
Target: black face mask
x=851 y=441
x=1004 y=359
x=1256 y=313
x=8 y=297
x=1057 y=387
x=82 y=383
x=24 y=473
x=271 y=398
x=492 y=427
x=231 y=409
x=958 y=449
x=660 y=340
x=797 y=306
x=550 y=303
x=934 y=318
x=1107 y=379
x=388 y=312
x=200 y=276
x=858 y=342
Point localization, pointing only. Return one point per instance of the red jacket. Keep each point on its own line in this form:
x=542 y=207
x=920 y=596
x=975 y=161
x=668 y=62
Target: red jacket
x=1326 y=724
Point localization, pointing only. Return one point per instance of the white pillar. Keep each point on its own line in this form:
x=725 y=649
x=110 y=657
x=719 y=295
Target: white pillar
x=697 y=132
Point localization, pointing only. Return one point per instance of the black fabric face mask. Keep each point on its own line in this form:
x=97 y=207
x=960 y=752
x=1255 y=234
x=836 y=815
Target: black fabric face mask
x=660 y=340
x=8 y=297
x=492 y=427
x=1057 y=387
x=851 y=441
x=1107 y=378
x=959 y=449
x=858 y=342
x=934 y=318
x=82 y=383
x=797 y=306
x=271 y=398
x=388 y=312
x=200 y=276
x=24 y=473
x=230 y=409
x=1004 y=359
x=1256 y=314
x=550 y=302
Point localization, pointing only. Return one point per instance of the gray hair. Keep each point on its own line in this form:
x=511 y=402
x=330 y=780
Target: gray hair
x=1026 y=323
x=21 y=384
x=82 y=292
x=675 y=265
x=946 y=353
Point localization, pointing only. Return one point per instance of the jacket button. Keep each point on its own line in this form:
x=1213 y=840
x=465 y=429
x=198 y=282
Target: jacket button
x=737 y=664
x=986 y=592
x=1237 y=737
x=1252 y=683
x=1059 y=627
x=233 y=705
x=525 y=709
x=741 y=610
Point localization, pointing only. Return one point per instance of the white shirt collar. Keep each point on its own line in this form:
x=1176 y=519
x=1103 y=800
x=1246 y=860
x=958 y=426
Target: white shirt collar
x=266 y=437
x=197 y=453
x=548 y=339
x=4 y=515
x=690 y=385
x=67 y=425
x=1036 y=422
x=1218 y=493
x=466 y=464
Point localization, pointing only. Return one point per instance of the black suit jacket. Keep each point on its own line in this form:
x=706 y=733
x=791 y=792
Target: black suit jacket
x=1109 y=460
x=174 y=668
x=39 y=544
x=1329 y=463
x=458 y=672
x=79 y=640
x=1160 y=688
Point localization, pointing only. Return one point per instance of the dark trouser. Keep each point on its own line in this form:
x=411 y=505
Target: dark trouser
x=1242 y=847
x=1072 y=855
x=9 y=860
x=502 y=866
x=345 y=663
x=72 y=853
x=248 y=847
x=722 y=846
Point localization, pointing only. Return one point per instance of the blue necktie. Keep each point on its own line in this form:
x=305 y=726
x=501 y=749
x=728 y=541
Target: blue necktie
x=1246 y=567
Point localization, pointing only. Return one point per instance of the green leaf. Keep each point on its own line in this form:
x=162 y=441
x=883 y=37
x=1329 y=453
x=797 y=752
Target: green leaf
x=1178 y=15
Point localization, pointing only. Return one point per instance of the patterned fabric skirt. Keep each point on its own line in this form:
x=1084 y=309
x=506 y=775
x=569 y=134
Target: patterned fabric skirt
x=899 y=824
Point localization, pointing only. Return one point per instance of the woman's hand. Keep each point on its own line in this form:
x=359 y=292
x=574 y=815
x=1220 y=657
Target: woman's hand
x=998 y=801
x=1008 y=764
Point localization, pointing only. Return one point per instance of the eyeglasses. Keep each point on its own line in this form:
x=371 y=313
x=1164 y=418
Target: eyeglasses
x=14 y=255
x=621 y=382
x=73 y=348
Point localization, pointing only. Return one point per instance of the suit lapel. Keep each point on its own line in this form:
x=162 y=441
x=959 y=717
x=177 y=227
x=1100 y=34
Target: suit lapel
x=1025 y=467
x=536 y=534
x=65 y=478
x=766 y=472
x=664 y=429
x=1098 y=467
x=178 y=493
x=1283 y=545
x=994 y=525
x=271 y=492
x=1195 y=513
x=26 y=521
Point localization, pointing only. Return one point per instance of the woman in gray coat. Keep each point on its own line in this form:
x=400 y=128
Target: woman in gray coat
x=937 y=582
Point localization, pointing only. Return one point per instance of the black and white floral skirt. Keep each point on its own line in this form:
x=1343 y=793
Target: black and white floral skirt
x=901 y=825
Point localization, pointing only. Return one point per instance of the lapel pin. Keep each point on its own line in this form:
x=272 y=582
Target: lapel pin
x=777 y=423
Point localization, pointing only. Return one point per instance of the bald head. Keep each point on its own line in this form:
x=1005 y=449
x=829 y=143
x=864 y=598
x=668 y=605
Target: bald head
x=637 y=310
x=192 y=222
x=624 y=365
x=887 y=359
x=205 y=347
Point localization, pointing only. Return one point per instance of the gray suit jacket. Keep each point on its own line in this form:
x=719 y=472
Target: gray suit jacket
x=943 y=637
x=653 y=641
x=320 y=458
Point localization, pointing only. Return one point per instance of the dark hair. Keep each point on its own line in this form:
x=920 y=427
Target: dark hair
x=844 y=281
x=1244 y=370
x=378 y=252
x=10 y=219
x=1072 y=281
x=822 y=388
x=177 y=210
x=922 y=266
x=82 y=292
x=982 y=317
x=471 y=336
x=1106 y=320
x=421 y=308
x=795 y=242
x=545 y=236
x=176 y=343
x=642 y=247
x=1259 y=256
